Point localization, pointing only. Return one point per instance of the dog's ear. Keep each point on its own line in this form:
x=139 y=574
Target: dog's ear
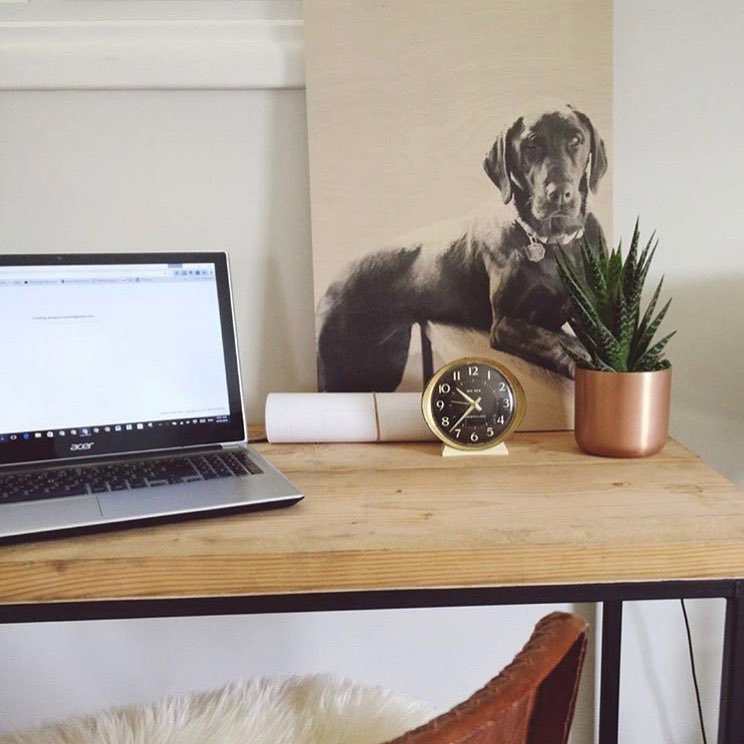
x=598 y=157
x=497 y=165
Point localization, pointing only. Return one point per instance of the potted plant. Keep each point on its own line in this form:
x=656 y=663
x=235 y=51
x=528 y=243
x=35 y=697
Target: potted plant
x=623 y=380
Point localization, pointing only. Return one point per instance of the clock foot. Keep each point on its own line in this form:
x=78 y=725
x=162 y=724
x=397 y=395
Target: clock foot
x=498 y=450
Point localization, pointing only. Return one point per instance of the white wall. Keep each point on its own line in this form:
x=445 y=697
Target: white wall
x=175 y=170
x=159 y=170
x=679 y=69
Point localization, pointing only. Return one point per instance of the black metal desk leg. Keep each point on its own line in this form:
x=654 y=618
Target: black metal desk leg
x=731 y=716
x=609 y=686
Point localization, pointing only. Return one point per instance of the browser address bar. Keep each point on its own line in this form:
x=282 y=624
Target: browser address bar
x=82 y=271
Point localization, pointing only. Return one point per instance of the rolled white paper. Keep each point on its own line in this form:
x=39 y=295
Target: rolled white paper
x=321 y=417
x=400 y=418
x=345 y=417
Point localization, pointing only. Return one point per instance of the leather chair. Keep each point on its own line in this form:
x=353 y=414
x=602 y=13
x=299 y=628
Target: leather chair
x=530 y=702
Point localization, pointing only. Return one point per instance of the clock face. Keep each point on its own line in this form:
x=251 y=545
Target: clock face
x=473 y=404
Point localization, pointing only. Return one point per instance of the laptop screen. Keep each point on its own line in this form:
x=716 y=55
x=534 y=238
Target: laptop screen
x=110 y=354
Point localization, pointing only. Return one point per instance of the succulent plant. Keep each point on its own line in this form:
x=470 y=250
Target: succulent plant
x=605 y=296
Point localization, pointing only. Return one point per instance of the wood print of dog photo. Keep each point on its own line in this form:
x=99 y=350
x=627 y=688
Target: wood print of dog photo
x=454 y=146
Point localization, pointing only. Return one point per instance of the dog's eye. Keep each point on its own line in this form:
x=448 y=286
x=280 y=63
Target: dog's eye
x=575 y=141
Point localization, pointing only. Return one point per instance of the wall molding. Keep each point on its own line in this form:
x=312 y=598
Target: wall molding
x=152 y=55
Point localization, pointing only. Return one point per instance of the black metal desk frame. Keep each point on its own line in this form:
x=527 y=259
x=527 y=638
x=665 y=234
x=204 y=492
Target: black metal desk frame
x=612 y=596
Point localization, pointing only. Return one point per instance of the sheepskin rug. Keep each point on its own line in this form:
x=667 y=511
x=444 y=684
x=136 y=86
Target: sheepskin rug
x=296 y=710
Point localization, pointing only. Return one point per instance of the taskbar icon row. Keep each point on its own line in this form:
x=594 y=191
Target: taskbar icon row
x=88 y=431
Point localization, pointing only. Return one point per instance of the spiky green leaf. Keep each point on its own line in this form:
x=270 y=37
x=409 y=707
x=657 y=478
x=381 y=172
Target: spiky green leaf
x=589 y=319
x=648 y=335
x=631 y=268
x=593 y=270
x=580 y=295
x=585 y=339
x=625 y=329
x=580 y=359
x=605 y=294
x=647 y=254
x=602 y=366
x=651 y=359
x=566 y=265
x=615 y=276
x=602 y=252
x=646 y=320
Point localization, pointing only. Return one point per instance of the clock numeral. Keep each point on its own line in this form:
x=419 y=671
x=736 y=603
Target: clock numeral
x=453 y=398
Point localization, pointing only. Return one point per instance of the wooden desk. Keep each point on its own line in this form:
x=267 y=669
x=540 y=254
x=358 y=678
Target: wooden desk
x=395 y=525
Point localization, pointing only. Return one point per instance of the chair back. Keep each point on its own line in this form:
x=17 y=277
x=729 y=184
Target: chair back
x=532 y=701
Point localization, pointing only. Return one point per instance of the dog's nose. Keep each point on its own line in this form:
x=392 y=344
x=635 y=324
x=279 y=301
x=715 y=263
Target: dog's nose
x=559 y=193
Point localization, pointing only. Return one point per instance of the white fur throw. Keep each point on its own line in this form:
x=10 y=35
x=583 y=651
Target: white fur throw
x=296 y=710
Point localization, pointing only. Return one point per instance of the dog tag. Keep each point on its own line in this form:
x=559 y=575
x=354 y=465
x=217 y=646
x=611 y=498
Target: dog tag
x=535 y=251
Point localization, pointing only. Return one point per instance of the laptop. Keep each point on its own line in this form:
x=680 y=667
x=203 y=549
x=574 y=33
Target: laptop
x=120 y=394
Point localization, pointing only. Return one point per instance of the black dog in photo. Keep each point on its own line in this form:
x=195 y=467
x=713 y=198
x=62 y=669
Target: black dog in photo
x=495 y=271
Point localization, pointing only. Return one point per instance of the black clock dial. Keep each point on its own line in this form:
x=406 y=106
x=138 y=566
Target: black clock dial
x=472 y=404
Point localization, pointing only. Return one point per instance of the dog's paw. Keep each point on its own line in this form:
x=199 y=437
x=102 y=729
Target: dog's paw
x=493 y=339
x=569 y=368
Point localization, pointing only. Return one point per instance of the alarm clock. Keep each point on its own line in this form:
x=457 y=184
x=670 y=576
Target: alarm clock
x=473 y=403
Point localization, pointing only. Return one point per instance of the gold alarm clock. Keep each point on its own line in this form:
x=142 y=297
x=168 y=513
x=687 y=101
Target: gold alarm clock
x=473 y=403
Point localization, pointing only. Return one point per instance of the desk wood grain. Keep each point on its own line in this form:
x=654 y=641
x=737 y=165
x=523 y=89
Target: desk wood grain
x=396 y=516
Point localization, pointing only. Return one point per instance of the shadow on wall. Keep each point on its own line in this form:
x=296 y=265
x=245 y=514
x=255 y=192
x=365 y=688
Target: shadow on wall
x=708 y=359
x=285 y=339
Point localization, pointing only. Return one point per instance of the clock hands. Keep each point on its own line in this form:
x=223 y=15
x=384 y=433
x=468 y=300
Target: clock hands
x=483 y=399
x=470 y=400
x=475 y=405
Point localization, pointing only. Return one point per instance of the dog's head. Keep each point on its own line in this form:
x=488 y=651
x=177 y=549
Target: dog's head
x=546 y=163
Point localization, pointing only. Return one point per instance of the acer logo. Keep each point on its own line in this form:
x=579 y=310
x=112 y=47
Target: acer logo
x=81 y=446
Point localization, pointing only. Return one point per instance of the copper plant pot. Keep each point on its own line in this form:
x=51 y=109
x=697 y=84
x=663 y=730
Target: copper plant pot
x=622 y=414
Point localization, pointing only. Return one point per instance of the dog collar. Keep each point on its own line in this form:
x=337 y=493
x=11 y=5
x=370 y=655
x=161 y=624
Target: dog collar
x=535 y=249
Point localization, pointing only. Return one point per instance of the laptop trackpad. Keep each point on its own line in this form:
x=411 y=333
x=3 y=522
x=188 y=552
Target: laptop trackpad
x=38 y=516
x=164 y=500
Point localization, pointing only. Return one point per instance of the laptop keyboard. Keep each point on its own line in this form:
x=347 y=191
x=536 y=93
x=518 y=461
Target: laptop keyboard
x=123 y=476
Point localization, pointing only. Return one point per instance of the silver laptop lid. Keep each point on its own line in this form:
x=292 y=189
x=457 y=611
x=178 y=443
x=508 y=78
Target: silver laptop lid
x=109 y=353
